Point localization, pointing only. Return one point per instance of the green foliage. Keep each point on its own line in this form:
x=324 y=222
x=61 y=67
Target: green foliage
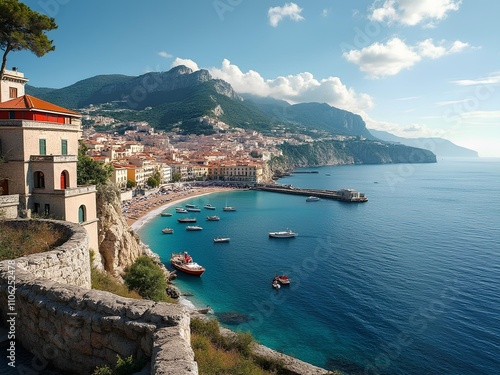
x=90 y=172
x=217 y=354
x=21 y=28
x=146 y=277
x=124 y=366
x=131 y=184
x=153 y=182
x=176 y=177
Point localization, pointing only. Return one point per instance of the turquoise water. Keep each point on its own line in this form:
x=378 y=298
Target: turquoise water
x=407 y=283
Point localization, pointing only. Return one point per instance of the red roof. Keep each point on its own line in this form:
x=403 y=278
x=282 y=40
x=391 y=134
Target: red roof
x=31 y=103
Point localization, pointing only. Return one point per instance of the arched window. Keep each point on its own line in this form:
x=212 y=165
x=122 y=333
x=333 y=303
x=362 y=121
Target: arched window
x=39 y=180
x=64 y=180
x=82 y=214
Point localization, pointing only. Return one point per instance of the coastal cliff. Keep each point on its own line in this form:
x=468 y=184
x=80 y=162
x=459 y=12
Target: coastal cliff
x=119 y=246
x=333 y=152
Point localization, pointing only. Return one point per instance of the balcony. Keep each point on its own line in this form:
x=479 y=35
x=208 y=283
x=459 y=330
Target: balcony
x=53 y=159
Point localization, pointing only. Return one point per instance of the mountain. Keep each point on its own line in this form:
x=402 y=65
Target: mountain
x=181 y=96
x=439 y=146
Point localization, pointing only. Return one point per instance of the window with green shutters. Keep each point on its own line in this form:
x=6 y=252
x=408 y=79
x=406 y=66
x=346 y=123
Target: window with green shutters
x=64 y=147
x=42 y=146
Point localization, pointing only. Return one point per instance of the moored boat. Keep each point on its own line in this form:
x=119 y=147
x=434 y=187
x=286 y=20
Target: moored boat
x=191 y=205
x=221 y=239
x=193 y=227
x=193 y=209
x=283 y=234
x=167 y=230
x=180 y=210
x=184 y=263
x=208 y=206
x=276 y=284
x=165 y=214
x=229 y=208
x=187 y=220
x=312 y=199
x=282 y=279
x=213 y=218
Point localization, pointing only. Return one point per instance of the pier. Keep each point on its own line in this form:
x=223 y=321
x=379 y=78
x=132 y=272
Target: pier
x=344 y=195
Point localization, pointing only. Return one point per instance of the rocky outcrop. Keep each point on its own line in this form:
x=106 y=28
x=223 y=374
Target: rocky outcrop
x=119 y=246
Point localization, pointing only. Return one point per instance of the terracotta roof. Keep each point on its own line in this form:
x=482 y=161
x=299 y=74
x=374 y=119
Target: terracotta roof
x=32 y=103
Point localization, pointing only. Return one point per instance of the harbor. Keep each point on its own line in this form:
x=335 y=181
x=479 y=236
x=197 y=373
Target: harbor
x=344 y=195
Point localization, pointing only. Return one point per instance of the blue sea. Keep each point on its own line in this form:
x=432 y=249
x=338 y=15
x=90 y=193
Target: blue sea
x=406 y=283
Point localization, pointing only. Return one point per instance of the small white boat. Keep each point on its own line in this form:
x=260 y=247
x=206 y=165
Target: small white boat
x=283 y=234
x=276 y=284
x=191 y=206
x=213 y=218
x=167 y=230
x=181 y=210
x=221 y=239
x=165 y=214
x=193 y=227
x=312 y=199
x=193 y=209
x=229 y=208
x=208 y=206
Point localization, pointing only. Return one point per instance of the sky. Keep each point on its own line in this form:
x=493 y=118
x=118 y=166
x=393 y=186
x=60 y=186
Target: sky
x=415 y=68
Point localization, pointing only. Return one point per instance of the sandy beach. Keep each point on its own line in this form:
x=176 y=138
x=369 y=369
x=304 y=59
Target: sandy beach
x=141 y=210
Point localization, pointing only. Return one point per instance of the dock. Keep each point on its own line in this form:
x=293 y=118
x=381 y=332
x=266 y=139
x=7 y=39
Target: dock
x=344 y=195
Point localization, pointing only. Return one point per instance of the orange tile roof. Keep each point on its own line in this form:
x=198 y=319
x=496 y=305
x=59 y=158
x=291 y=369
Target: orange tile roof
x=32 y=103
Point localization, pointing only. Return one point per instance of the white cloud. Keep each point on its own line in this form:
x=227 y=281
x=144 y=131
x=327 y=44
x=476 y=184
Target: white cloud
x=291 y=10
x=381 y=60
x=165 y=55
x=298 y=88
x=325 y=12
x=494 y=79
x=187 y=62
x=413 y=12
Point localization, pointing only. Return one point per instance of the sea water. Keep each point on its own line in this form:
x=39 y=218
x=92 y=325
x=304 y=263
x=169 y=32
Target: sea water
x=406 y=283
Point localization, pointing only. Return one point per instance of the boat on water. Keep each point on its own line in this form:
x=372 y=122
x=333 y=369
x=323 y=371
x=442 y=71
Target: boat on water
x=193 y=227
x=165 y=214
x=206 y=310
x=213 y=218
x=208 y=206
x=184 y=263
x=283 y=234
x=229 y=208
x=282 y=279
x=193 y=209
x=276 y=284
x=167 y=230
x=180 y=210
x=187 y=220
x=312 y=199
x=221 y=239
x=191 y=205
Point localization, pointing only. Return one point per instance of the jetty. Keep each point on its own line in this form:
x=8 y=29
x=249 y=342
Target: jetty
x=344 y=195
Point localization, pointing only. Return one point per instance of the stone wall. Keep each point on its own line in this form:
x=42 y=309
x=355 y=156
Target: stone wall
x=9 y=206
x=63 y=322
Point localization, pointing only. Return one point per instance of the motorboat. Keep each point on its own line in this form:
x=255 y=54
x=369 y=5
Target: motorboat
x=282 y=279
x=276 y=284
x=283 y=234
x=221 y=239
x=184 y=263
x=191 y=205
x=165 y=214
x=193 y=209
x=181 y=210
x=193 y=227
x=187 y=220
x=167 y=230
x=208 y=206
x=213 y=218
x=312 y=199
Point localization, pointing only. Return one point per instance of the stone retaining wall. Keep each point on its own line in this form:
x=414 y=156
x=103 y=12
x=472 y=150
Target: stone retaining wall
x=63 y=322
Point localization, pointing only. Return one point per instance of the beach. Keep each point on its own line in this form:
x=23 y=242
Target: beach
x=139 y=211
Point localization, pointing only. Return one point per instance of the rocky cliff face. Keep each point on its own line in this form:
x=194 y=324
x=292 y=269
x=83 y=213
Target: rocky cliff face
x=119 y=246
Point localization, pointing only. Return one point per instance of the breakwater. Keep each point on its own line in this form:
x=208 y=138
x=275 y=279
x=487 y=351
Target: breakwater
x=344 y=195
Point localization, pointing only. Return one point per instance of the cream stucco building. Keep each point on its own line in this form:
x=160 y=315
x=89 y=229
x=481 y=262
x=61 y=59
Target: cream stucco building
x=39 y=148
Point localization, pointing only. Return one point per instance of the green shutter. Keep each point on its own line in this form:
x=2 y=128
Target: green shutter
x=43 y=147
x=64 y=147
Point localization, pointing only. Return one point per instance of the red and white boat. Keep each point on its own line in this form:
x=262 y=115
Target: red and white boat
x=184 y=263
x=282 y=279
